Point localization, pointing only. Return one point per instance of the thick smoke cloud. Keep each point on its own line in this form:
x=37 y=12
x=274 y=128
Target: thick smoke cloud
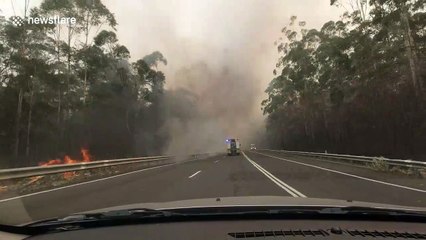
x=220 y=56
x=219 y=106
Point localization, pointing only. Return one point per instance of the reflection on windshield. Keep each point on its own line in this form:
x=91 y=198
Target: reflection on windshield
x=106 y=104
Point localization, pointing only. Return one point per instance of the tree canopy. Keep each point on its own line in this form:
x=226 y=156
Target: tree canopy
x=61 y=90
x=354 y=86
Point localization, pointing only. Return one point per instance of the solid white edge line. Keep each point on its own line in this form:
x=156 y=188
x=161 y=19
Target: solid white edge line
x=347 y=174
x=193 y=175
x=92 y=181
x=274 y=179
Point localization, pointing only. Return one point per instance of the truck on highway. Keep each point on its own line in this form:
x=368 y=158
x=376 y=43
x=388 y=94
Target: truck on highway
x=233 y=146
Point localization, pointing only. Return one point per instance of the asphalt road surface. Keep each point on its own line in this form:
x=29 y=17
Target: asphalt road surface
x=250 y=174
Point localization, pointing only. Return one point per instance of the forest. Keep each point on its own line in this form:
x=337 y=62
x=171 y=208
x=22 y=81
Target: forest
x=355 y=86
x=67 y=87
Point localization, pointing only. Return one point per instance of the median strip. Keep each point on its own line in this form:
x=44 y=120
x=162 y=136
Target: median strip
x=293 y=192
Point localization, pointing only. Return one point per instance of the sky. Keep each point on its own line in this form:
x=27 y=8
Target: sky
x=222 y=50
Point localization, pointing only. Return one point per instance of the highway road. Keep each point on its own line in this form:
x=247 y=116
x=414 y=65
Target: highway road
x=251 y=174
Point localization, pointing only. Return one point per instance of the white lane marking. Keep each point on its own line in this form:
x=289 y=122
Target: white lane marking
x=216 y=161
x=281 y=182
x=193 y=175
x=274 y=179
x=347 y=174
x=83 y=183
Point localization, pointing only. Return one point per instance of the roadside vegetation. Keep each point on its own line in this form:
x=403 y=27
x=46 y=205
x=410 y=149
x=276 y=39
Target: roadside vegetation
x=63 y=87
x=357 y=85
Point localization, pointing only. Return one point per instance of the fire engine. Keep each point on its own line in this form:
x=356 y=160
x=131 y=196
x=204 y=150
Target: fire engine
x=233 y=146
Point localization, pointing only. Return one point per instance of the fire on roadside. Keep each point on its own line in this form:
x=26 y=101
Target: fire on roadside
x=3 y=189
x=69 y=175
x=34 y=179
x=68 y=160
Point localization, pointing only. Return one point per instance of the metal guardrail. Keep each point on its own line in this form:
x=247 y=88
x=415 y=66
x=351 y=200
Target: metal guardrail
x=354 y=158
x=14 y=173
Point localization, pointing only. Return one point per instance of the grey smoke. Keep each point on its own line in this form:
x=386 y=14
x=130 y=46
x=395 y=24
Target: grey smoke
x=220 y=59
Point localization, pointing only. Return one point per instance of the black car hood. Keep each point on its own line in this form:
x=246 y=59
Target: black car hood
x=257 y=201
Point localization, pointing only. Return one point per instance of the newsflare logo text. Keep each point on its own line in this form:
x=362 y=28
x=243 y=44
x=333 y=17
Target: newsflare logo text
x=18 y=21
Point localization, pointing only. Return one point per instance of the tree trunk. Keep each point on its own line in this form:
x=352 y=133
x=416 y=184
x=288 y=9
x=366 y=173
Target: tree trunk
x=85 y=86
x=69 y=57
x=128 y=121
x=58 y=59
x=409 y=45
x=30 y=113
x=305 y=126
x=66 y=98
x=311 y=126
x=58 y=117
x=18 y=122
x=85 y=46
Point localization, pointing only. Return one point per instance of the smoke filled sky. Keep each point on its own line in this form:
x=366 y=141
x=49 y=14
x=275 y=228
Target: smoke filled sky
x=188 y=31
x=222 y=50
x=214 y=31
x=237 y=35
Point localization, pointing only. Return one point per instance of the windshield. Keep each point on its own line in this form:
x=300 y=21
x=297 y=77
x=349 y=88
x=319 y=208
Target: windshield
x=106 y=103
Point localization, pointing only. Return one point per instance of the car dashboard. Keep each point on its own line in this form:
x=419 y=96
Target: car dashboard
x=246 y=229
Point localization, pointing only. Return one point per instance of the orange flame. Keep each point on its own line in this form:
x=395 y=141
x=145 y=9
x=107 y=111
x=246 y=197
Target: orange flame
x=3 y=189
x=69 y=175
x=86 y=155
x=50 y=162
x=68 y=160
